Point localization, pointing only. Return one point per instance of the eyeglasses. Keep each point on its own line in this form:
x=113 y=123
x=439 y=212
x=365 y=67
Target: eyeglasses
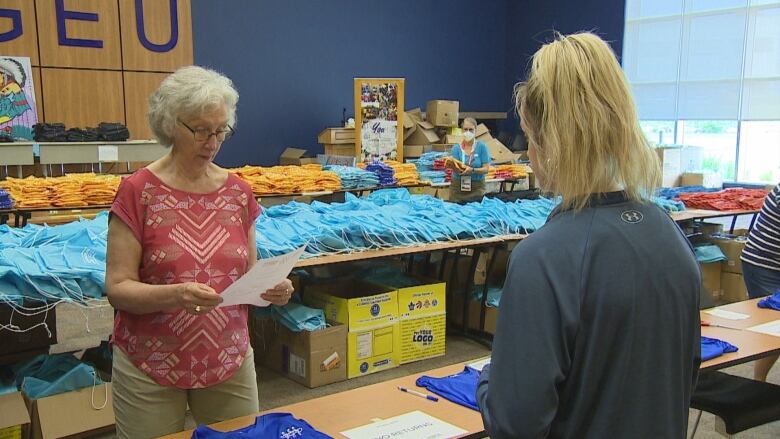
x=203 y=134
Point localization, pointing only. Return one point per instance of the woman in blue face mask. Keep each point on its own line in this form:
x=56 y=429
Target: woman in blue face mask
x=469 y=184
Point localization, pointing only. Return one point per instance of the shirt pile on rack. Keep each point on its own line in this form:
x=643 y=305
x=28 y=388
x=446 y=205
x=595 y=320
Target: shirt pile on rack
x=113 y=132
x=385 y=173
x=288 y=179
x=405 y=173
x=72 y=190
x=50 y=132
x=354 y=178
x=426 y=170
x=728 y=199
x=6 y=202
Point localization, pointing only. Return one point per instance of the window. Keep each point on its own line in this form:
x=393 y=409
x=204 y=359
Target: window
x=707 y=73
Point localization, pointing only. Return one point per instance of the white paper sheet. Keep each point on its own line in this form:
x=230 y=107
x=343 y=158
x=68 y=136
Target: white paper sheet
x=416 y=425
x=730 y=315
x=479 y=364
x=266 y=274
x=771 y=328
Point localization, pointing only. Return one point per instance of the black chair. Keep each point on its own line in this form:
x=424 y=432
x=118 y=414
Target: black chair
x=739 y=403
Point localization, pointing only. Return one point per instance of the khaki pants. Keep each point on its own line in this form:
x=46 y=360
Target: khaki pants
x=145 y=409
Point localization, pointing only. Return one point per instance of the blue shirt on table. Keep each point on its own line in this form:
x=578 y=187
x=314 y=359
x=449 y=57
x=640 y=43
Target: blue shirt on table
x=480 y=159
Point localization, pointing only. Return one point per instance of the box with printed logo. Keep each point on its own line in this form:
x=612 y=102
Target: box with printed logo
x=423 y=321
x=370 y=312
x=423 y=313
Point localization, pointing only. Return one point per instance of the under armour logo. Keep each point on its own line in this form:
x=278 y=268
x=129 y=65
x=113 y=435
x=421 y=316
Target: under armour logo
x=291 y=433
x=631 y=216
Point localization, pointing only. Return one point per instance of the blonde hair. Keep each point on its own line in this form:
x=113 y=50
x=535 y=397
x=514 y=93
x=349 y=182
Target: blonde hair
x=189 y=91
x=580 y=116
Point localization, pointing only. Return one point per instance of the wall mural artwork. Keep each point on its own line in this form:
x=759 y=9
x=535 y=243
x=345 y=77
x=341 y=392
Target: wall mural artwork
x=17 y=99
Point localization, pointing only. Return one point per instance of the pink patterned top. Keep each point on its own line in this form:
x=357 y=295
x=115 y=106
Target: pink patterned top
x=186 y=237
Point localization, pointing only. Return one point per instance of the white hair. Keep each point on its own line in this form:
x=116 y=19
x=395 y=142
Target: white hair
x=189 y=92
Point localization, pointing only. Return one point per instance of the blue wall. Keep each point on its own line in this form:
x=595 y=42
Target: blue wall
x=530 y=24
x=293 y=61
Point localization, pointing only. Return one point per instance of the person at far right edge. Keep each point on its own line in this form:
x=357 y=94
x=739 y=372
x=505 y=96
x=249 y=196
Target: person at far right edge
x=598 y=331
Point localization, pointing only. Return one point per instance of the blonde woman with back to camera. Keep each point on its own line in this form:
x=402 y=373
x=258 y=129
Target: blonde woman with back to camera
x=181 y=230
x=598 y=329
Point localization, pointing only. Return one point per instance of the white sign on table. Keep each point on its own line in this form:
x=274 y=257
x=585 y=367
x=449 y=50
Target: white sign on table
x=416 y=424
x=730 y=315
x=266 y=274
x=771 y=328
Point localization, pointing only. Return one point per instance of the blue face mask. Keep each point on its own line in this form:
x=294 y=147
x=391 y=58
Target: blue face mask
x=295 y=316
x=47 y=375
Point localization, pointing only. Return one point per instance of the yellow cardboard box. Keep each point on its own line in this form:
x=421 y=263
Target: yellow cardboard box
x=371 y=314
x=423 y=315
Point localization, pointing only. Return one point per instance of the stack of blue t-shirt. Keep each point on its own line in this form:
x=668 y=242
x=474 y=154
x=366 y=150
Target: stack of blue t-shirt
x=709 y=253
x=354 y=178
x=6 y=202
x=435 y=177
x=771 y=302
x=460 y=388
x=272 y=425
x=385 y=173
x=714 y=348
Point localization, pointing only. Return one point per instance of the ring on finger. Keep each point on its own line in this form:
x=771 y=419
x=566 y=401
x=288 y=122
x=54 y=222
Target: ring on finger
x=197 y=308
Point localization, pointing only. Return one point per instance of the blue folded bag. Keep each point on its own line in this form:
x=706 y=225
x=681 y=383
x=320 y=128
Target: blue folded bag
x=713 y=348
x=771 y=302
x=460 y=388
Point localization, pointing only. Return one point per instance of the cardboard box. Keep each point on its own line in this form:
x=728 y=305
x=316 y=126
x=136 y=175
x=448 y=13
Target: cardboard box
x=443 y=113
x=422 y=134
x=440 y=147
x=731 y=246
x=295 y=156
x=14 y=417
x=312 y=358
x=710 y=277
x=482 y=131
x=344 y=149
x=491 y=315
x=413 y=151
x=28 y=339
x=733 y=286
x=336 y=136
x=371 y=314
x=500 y=153
x=452 y=139
x=423 y=314
x=670 y=165
x=71 y=413
x=706 y=179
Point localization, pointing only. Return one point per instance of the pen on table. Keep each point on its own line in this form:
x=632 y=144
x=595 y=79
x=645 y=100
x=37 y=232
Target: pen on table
x=715 y=325
x=420 y=394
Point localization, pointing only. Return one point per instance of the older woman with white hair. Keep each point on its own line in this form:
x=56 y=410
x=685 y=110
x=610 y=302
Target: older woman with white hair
x=181 y=230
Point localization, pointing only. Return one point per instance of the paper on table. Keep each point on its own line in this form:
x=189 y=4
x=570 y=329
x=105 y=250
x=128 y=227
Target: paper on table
x=108 y=153
x=415 y=425
x=771 y=328
x=731 y=315
x=266 y=274
x=479 y=364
